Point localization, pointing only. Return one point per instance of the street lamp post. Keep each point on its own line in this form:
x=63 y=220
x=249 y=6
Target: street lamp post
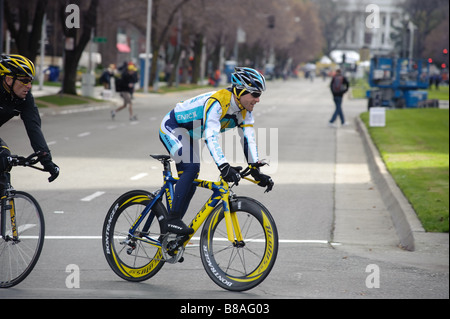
x=147 y=45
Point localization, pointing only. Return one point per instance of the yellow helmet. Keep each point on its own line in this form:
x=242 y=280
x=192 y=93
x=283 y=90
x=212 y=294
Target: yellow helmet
x=17 y=65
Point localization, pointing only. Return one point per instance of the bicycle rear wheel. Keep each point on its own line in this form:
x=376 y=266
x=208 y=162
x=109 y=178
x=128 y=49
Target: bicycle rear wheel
x=239 y=266
x=22 y=243
x=130 y=256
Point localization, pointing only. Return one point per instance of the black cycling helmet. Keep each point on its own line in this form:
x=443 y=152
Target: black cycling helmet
x=16 y=65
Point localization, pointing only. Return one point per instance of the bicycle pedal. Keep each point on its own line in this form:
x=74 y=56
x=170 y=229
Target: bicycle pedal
x=171 y=250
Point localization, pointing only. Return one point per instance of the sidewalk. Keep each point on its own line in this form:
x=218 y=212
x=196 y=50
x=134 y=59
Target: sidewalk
x=115 y=101
x=372 y=217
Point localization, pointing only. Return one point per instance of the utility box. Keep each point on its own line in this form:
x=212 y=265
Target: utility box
x=377 y=117
x=87 y=84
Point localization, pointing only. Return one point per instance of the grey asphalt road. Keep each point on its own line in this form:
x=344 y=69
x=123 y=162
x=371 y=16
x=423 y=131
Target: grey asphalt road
x=321 y=254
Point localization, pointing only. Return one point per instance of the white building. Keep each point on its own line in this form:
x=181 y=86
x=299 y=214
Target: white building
x=370 y=24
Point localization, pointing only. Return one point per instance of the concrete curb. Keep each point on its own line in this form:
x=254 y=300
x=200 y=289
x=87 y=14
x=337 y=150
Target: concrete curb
x=404 y=217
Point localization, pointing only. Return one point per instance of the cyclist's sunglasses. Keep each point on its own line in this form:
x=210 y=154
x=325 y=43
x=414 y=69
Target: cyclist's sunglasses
x=24 y=81
x=256 y=94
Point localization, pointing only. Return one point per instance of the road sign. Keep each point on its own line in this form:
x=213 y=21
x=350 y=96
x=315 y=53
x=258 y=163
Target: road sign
x=100 y=39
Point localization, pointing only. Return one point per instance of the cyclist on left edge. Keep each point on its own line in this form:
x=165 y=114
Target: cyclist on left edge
x=16 y=75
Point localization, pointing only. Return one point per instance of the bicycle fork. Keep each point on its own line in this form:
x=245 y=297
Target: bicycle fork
x=7 y=204
x=8 y=207
x=233 y=228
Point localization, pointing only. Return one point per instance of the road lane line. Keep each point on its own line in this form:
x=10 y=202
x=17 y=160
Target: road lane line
x=84 y=134
x=138 y=176
x=91 y=197
x=281 y=241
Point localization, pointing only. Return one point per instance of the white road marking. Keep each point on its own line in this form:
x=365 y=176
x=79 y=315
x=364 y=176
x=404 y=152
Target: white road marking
x=84 y=134
x=138 y=176
x=281 y=241
x=91 y=197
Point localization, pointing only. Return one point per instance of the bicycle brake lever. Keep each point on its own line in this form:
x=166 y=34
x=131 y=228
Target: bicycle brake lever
x=262 y=163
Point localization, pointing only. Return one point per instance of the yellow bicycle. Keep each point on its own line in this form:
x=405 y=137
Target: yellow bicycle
x=238 y=243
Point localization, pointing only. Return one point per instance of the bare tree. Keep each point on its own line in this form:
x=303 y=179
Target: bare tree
x=335 y=23
x=24 y=21
x=163 y=16
x=426 y=16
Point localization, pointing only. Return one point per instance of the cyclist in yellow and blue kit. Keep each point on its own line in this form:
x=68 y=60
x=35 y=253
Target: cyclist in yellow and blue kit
x=205 y=116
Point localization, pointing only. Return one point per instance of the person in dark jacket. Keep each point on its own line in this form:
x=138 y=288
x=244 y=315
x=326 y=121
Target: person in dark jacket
x=125 y=85
x=339 y=86
x=16 y=75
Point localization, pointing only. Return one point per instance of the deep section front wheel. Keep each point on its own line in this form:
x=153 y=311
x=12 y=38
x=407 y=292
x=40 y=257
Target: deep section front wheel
x=242 y=265
x=132 y=256
x=23 y=238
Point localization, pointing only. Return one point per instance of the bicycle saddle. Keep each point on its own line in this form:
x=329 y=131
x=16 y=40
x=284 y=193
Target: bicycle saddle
x=161 y=157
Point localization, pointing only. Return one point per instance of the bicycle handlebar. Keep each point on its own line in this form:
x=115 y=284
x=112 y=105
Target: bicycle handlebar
x=247 y=171
x=15 y=160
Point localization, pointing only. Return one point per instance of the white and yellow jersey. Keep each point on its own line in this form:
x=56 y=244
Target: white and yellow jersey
x=206 y=115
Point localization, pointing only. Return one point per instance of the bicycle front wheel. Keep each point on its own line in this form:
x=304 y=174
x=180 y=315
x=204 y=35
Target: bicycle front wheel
x=132 y=256
x=22 y=242
x=239 y=266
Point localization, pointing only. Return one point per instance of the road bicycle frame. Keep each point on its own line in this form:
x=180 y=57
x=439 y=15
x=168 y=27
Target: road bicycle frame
x=221 y=192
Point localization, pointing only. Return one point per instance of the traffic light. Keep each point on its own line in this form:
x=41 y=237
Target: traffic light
x=430 y=60
x=443 y=65
x=445 y=51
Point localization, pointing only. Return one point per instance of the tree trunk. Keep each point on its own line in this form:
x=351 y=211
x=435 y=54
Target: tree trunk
x=72 y=57
x=198 y=48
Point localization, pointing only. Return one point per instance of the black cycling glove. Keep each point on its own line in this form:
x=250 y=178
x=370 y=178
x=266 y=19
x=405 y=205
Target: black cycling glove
x=229 y=174
x=264 y=180
x=49 y=166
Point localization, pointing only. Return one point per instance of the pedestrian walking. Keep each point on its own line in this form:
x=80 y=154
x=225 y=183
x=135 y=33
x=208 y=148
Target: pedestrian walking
x=125 y=86
x=339 y=86
x=107 y=75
